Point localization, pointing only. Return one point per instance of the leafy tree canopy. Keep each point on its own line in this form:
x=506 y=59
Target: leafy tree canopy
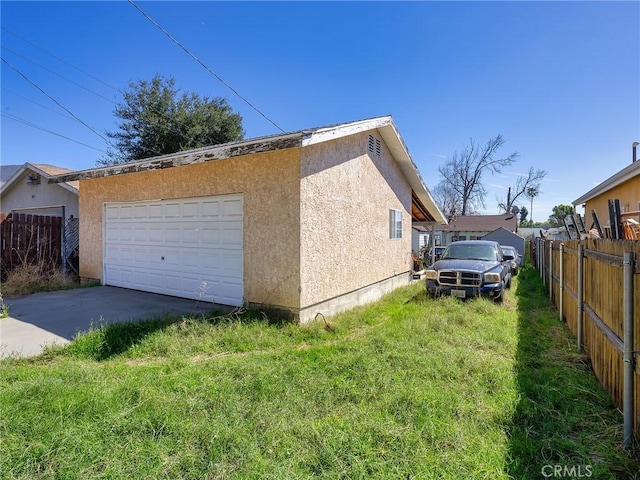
x=156 y=119
x=559 y=213
x=524 y=213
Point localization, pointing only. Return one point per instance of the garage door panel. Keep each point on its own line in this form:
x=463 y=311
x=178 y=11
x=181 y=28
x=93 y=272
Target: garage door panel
x=190 y=247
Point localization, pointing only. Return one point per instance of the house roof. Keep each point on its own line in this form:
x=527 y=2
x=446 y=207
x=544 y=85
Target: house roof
x=624 y=175
x=7 y=171
x=481 y=223
x=44 y=170
x=424 y=208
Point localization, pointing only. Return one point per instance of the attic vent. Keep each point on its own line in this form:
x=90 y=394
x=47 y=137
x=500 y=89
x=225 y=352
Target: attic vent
x=34 y=179
x=375 y=146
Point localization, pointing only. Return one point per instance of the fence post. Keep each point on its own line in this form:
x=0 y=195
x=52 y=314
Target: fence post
x=551 y=271
x=540 y=257
x=63 y=243
x=629 y=360
x=580 y=295
x=561 y=287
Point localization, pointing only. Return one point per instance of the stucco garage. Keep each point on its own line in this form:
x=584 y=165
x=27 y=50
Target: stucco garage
x=323 y=216
x=189 y=247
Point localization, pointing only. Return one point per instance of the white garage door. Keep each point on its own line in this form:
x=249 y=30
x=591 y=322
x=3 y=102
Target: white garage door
x=190 y=247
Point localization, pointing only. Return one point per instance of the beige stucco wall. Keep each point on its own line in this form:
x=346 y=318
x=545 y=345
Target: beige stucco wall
x=269 y=183
x=345 y=197
x=628 y=194
x=21 y=195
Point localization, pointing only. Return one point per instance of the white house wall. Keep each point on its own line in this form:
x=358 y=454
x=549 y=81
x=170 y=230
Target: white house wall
x=24 y=196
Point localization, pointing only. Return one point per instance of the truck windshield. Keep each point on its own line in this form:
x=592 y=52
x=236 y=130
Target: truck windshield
x=469 y=252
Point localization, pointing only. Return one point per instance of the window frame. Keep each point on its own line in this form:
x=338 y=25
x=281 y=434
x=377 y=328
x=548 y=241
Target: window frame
x=395 y=224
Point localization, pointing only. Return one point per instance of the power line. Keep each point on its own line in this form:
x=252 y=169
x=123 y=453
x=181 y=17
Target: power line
x=60 y=59
x=33 y=125
x=72 y=118
x=203 y=65
x=57 y=74
x=54 y=100
x=36 y=103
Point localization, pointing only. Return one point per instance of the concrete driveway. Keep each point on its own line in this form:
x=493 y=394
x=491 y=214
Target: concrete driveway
x=56 y=317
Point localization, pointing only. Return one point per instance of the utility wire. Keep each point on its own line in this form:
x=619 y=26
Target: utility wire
x=53 y=99
x=65 y=116
x=33 y=125
x=203 y=65
x=36 y=103
x=57 y=74
x=60 y=59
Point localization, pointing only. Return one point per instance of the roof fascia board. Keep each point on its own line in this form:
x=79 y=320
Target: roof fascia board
x=398 y=148
x=339 y=131
x=188 y=157
x=622 y=176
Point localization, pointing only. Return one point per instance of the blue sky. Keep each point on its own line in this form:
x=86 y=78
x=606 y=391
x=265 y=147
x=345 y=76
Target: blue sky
x=559 y=80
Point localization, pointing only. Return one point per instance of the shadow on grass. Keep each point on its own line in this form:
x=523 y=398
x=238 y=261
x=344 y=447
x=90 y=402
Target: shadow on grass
x=565 y=425
x=107 y=341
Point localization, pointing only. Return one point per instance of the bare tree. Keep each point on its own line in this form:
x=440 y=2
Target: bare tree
x=523 y=186
x=447 y=199
x=463 y=172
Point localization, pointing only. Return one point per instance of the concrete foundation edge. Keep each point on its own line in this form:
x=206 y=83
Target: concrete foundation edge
x=330 y=307
x=362 y=296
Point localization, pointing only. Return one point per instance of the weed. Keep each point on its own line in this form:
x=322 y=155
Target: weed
x=32 y=278
x=4 y=308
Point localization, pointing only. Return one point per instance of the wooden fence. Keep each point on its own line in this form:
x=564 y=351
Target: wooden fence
x=29 y=239
x=594 y=286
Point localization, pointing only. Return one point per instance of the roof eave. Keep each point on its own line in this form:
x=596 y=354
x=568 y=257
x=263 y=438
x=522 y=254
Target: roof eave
x=396 y=144
x=627 y=173
x=188 y=157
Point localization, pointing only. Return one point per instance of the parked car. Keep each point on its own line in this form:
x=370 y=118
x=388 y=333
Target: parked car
x=471 y=268
x=439 y=250
x=517 y=259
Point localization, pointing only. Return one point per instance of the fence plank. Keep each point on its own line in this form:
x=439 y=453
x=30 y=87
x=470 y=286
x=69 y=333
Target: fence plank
x=26 y=239
x=603 y=306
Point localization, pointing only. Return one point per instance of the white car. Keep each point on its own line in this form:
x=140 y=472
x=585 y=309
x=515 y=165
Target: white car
x=517 y=258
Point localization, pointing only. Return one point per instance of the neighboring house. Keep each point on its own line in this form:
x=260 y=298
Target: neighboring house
x=419 y=238
x=473 y=227
x=7 y=171
x=28 y=190
x=312 y=222
x=506 y=237
x=624 y=186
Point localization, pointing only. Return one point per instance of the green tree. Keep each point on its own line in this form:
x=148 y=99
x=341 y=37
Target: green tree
x=559 y=213
x=523 y=216
x=156 y=119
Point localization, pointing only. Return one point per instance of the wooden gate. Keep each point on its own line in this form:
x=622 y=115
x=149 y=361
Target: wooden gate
x=27 y=239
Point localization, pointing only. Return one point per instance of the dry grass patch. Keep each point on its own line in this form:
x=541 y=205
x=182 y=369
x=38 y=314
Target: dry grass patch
x=38 y=277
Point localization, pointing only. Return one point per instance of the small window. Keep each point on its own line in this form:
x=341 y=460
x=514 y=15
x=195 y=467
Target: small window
x=375 y=146
x=395 y=224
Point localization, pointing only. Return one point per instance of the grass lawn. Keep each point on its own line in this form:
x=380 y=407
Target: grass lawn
x=407 y=387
